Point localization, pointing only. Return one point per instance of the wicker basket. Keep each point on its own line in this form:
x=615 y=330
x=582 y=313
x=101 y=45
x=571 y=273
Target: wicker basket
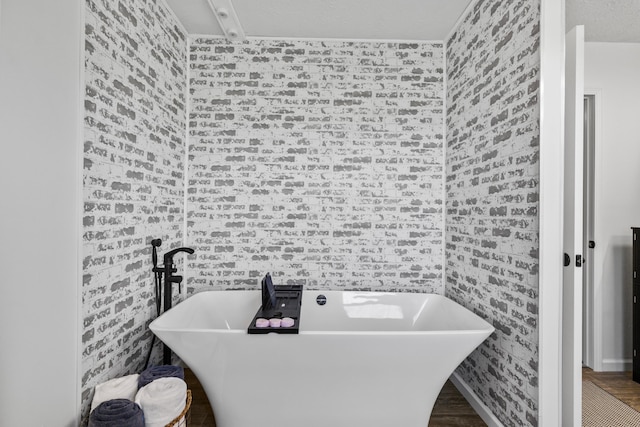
x=184 y=419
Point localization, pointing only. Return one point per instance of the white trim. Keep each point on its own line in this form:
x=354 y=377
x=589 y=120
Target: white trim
x=573 y=228
x=316 y=39
x=80 y=205
x=551 y=210
x=616 y=365
x=185 y=172
x=598 y=190
x=444 y=168
x=593 y=359
x=588 y=282
x=483 y=410
x=206 y=36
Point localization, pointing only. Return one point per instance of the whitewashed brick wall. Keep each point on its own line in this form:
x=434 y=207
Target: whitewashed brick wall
x=492 y=169
x=323 y=163
x=318 y=161
x=134 y=152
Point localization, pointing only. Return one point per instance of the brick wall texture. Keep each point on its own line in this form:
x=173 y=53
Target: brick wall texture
x=323 y=162
x=134 y=159
x=318 y=161
x=492 y=174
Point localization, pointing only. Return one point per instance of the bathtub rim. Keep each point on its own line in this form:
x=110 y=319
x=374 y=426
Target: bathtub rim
x=486 y=326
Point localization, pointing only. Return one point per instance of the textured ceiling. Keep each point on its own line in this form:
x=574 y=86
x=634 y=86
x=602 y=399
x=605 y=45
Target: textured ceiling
x=606 y=20
x=351 y=19
x=196 y=16
x=343 y=19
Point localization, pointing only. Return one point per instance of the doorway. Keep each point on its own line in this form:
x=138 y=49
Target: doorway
x=588 y=231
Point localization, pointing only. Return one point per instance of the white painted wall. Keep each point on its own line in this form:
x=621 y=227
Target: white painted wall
x=611 y=71
x=40 y=212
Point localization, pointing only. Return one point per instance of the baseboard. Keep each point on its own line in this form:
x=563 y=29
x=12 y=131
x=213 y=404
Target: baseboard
x=483 y=410
x=617 y=365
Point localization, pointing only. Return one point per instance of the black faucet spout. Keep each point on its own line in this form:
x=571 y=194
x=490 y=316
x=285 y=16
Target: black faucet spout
x=168 y=257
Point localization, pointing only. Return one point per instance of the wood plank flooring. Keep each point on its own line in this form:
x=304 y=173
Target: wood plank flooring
x=201 y=413
x=450 y=410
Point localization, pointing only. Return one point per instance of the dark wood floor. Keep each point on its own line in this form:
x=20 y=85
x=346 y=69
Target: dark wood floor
x=450 y=410
x=201 y=414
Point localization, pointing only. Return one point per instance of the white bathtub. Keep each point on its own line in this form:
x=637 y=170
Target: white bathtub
x=363 y=359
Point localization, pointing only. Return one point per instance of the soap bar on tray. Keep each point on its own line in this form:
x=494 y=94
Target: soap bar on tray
x=280 y=310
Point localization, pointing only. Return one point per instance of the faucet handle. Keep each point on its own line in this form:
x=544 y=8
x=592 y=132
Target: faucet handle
x=174 y=279
x=160 y=269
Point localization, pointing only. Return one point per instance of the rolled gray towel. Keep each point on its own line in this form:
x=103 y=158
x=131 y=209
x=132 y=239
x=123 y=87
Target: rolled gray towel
x=160 y=371
x=117 y=413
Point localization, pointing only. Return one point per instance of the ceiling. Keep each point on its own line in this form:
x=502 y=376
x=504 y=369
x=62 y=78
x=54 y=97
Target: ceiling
x=341 y=19
x=604 y=20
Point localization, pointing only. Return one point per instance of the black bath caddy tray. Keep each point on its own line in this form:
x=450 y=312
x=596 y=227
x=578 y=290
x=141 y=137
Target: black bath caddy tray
x=278 y=302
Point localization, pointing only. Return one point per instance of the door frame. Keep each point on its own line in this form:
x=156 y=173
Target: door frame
x=573 y=232
x=593 y=291
x=552 y=84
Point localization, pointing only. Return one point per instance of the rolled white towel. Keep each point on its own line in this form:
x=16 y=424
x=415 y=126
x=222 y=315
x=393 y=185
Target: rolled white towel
x=162 y=400
x=118 y=388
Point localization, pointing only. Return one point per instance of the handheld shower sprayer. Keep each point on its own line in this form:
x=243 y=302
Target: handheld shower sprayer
x=154 y=252
x=157 y=279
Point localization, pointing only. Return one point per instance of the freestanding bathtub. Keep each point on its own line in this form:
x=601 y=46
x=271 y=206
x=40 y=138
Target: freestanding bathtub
x=364 y=359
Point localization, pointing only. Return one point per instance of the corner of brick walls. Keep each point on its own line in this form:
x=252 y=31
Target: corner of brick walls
x=492 y=198
x=321 y=162
x=318 y=161
x=134 y=157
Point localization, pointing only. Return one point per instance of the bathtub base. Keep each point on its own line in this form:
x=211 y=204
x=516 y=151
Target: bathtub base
x=361 y=359
x=377 y=382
